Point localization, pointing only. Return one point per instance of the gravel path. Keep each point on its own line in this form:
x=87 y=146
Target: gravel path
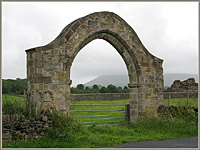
x=188 y=142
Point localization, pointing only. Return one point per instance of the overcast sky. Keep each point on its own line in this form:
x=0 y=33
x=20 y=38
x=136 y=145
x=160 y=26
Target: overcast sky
x=169 y=30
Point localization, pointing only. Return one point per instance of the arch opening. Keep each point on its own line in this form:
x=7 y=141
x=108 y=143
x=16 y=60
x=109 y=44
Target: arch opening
x=119 y=45
x=122 y=50
x=97 y=58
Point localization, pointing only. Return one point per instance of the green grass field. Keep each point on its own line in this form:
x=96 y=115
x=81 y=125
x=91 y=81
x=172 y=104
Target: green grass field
x=107 y=136
x=98 y=116
x=182 y=102
x=12 y=98
x=176 y=101
x=104 y=113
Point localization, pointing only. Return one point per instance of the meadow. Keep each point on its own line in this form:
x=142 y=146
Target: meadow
x=174 y=101
x=12 y=98
x=73 y=134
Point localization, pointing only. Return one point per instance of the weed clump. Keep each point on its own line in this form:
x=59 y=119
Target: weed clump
x=63 y=126
x=181 y=113
x=15 y=107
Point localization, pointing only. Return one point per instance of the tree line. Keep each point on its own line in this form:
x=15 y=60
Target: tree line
x=17 y=87
x=80 y=88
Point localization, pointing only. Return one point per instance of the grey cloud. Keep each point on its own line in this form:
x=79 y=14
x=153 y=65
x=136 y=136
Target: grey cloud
x=27 y=25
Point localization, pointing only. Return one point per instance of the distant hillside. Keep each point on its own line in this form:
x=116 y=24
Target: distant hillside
x=122 y=80
x=105 y=80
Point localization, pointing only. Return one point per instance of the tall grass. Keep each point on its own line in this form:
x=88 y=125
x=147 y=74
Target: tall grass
x=15 y=107
x=69 y=133
x=63 y=126
x=11 y=98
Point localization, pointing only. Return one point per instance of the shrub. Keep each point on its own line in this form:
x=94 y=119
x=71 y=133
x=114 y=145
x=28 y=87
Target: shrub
x=63 y=126
x=182 y=113
x=12 y=107
x=186 y=114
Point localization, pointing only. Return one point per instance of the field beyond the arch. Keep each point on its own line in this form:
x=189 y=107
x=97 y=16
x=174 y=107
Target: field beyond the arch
x=174 y=101
x=157 y=128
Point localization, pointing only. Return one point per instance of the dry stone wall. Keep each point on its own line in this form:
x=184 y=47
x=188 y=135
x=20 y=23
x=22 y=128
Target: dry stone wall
x=121 y=96
x=16 y=127
x=99 y=96
x=170 y=109
x=48 y=67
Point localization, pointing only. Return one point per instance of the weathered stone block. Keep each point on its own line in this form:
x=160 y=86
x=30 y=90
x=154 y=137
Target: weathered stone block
x=42 y=79
x=69 y=34
x=44 y=118
x=30 y=63
x=45 y=87
x=60 y=76
x=39 y=63
x=75 y=26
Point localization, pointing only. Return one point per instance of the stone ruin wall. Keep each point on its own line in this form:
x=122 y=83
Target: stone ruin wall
x=48 y=67
x=185 y=86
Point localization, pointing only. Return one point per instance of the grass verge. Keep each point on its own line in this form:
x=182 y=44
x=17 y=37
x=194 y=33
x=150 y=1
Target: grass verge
x=73 y=135
x=156 y=128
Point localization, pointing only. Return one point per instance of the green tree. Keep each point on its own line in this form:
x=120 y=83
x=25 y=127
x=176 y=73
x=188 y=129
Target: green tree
x=112 y=88
x=126 y=89
x=14 y=86
x=95 y=86
x=6 y=87
x=104 y=90
x=80 y=86
x=87 y=88
x=119 y=89
x=73 y=90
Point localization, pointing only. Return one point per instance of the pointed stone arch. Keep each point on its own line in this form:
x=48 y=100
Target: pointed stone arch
x=48 y=67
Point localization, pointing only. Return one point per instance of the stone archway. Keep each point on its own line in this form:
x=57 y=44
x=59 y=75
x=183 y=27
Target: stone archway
x=48 y=67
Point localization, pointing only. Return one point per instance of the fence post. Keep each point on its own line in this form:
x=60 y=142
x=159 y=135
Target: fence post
x=127 y=107
x=187 y=105
x=92 y=112
x=109 y=110
x=169 y=100
x=24 y=99
x=28 y=106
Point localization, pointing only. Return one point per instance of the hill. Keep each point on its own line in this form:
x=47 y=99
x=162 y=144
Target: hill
x=122 y=80
x=105 y=80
